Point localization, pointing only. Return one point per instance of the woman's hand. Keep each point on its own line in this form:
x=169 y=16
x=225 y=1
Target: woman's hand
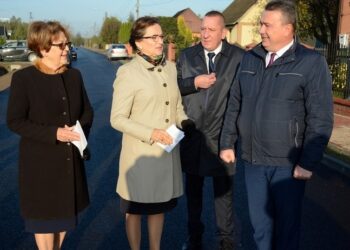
x=161 y=136
x=67 y=134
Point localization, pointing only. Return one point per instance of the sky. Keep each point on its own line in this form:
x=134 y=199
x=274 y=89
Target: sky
x=86 y=16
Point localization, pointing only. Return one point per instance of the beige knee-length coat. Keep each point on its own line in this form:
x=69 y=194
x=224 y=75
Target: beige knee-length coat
x=147 y=97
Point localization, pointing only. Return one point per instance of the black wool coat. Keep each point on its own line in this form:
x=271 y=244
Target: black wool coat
x=52 y=181
x=206 y=107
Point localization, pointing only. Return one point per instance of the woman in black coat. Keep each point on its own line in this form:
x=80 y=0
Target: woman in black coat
x=46 y=100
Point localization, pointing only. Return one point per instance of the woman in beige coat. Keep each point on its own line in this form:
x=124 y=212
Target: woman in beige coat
x=146 y=101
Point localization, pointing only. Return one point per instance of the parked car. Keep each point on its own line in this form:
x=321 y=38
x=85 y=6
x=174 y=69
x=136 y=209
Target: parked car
x=16 y=51
x=117 y=51
x=73 y=56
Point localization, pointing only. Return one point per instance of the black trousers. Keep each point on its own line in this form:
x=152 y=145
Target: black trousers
x=223 y=199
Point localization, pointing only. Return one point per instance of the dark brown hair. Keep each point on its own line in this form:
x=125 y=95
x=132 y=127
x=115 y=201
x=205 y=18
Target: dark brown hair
x=139 y=27
x=40 y=35
x=287 y=8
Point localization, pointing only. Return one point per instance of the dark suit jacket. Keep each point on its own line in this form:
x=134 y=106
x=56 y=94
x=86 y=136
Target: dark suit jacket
x=52 y=180
x=206 y=107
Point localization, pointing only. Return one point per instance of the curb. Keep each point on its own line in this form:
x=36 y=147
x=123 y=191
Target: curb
x=336 y=164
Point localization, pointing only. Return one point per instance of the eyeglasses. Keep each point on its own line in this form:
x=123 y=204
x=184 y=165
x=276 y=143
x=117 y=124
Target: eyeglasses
x=154 y=37
x=62 y=46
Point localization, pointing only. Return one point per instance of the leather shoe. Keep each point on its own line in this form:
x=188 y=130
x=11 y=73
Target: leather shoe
x=192 y=245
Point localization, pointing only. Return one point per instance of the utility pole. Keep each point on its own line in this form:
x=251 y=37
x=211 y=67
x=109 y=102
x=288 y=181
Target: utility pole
x=30 y=17
x=137 y=8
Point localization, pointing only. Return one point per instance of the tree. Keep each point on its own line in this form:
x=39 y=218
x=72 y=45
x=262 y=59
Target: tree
x=110 y=29
x=169 y=27
x=78 y=40
x=124 y=32
x=17 y=28
x=185 y=34
x=319 y=19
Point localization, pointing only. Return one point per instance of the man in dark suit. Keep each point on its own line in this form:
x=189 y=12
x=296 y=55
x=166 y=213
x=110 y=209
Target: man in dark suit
x=205 y=74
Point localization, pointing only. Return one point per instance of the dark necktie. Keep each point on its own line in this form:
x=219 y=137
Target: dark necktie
x=272 y=59
x=211 y=66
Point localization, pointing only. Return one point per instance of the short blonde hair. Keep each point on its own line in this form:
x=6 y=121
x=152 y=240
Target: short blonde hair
x=40 y=35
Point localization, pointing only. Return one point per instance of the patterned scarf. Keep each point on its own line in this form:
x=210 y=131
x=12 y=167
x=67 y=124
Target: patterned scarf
x=159 y=60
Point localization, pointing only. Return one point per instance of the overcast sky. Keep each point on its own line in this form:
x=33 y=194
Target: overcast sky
x=86 y=16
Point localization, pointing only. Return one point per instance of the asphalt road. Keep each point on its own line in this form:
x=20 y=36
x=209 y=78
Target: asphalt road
x=326 y=216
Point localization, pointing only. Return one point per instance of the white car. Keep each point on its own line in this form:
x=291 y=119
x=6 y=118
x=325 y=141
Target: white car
x=117 y=51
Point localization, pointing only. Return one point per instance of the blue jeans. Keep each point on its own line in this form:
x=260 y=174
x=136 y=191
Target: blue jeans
x=275 y=204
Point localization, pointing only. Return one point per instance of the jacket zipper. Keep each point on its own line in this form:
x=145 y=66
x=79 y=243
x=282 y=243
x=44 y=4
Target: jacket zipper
x=296 y=134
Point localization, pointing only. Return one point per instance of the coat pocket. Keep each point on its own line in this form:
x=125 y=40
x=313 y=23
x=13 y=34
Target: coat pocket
x=287 y=86
x=274 y=138
x=247 y=79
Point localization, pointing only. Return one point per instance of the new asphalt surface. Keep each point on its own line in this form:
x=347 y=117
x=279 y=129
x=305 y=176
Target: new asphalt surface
x=326 y=211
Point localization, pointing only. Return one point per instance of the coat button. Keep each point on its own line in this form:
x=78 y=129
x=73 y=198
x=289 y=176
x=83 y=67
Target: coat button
x=166 y=103
x=164 y=85
x=64 y=98
x=166 y=120
x=68 y=143
x=64 y=113
x=159 y=70
x=68 y=159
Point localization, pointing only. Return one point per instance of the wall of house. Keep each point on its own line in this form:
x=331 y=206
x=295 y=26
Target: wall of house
x=345 y=17
x=246 y=32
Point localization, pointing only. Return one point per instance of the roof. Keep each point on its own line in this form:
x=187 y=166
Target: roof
x=193 y=22
x=237 y=9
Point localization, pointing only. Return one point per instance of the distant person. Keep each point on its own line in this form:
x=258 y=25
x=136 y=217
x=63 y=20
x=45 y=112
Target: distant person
x=46 y=100
x=205 y=74
x=281 y=108
x=146 y=101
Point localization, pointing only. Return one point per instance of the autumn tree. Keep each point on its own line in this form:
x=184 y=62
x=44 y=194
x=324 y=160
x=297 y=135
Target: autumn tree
x=110 y=29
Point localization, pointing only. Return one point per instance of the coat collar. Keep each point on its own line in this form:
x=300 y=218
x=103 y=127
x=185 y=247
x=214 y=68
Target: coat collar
x=199 y=49
x=46 y=70
x=288 y=56
x=149 y=66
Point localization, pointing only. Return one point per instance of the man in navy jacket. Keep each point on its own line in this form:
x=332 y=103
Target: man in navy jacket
x=281 y=108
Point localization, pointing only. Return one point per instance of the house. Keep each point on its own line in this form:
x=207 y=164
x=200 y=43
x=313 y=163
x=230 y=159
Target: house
x=192 y=21
x=242 y=17
x=344 y=22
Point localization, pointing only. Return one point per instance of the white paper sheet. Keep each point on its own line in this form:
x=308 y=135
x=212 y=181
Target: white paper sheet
x=81 y=145
x=177 y=136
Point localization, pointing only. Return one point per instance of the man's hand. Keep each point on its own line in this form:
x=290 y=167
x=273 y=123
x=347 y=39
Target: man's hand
x=204 y=81
x=228 y=155
x=301 y=173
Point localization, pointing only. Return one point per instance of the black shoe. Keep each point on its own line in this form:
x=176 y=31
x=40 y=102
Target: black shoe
x=191 y=244
x=227 y=244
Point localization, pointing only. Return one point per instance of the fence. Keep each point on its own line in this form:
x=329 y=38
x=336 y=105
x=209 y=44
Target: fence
x=339 y=64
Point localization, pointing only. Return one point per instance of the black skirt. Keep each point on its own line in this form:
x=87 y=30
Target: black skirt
x=50 y=226
x=132 y=207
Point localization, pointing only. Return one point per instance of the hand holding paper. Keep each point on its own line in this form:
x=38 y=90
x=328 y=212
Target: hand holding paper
x=177 y=136
x=81 y=145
